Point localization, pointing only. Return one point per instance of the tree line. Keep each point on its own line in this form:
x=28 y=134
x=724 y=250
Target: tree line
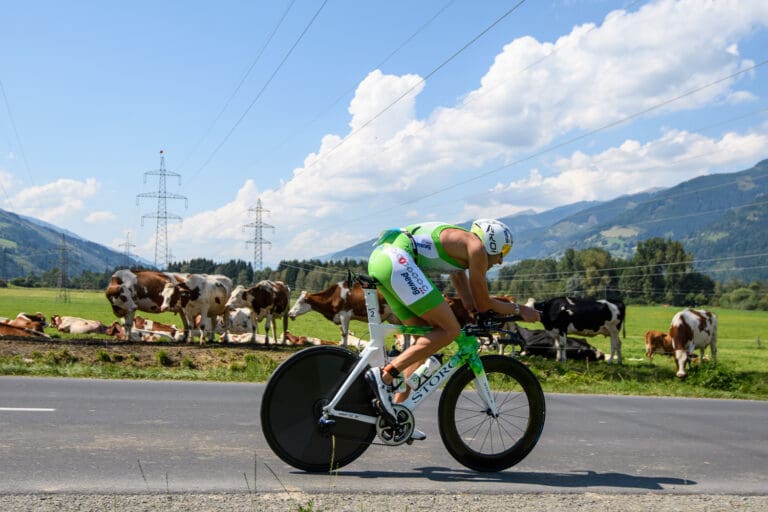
x=659 y=272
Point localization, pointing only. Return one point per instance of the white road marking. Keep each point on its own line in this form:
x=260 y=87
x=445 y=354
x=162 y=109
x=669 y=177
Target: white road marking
x=26 y=409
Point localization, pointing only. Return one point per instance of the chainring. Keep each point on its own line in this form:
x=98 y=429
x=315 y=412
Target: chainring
x=400 y=433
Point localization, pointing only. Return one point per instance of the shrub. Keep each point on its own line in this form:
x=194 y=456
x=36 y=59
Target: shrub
x=62 y=357
x=713 y=377
x=163 y=359
x=237 y=366
x=103 y=356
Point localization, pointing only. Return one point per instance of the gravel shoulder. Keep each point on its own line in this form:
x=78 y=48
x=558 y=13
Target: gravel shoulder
x=335 y=502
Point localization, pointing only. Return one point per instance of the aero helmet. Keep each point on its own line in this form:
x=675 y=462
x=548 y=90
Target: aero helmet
x=495 y=235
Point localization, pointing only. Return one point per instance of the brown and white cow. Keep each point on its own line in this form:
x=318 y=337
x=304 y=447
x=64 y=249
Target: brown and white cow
x=200 y=294
x=76 y=325
x=267 y=299
x=240 y=324
x=146 y=324
x=129 y=291
x=658 y=342
x=340 y=304
x=586 y=317
x=692 y=329
x=32 y=321
x=137 y=334
x=6 y=329
x=117 y=330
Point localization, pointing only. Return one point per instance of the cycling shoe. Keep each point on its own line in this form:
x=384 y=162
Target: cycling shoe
x=383 y=394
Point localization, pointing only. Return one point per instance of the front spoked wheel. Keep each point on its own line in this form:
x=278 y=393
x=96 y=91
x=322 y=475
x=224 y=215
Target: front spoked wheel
x=480 y=440
x=292 y=405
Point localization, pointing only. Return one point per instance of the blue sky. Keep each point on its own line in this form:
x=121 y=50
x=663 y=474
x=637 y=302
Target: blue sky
x=348 y=117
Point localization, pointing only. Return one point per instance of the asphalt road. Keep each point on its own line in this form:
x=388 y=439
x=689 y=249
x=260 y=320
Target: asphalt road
x=101 y=436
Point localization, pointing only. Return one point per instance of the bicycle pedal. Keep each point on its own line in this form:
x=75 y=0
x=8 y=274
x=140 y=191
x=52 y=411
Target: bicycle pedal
x=376 y=403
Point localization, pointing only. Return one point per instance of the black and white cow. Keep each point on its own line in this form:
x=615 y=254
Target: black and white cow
x=585 y=317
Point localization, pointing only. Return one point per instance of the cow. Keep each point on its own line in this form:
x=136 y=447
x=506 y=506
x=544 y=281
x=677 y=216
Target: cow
x=585 y=317
x=340 y=304
x=137 y=333
x=116 y=330
x=658 y=342
x=303 y=340
x=540 y=343
x=266 y=299
x=34 y=322
x=7 y=329
x=199 y=294
x=132 y=290
x=145 y=324
x=240 y=323
x=692 y=329
x=76 y=325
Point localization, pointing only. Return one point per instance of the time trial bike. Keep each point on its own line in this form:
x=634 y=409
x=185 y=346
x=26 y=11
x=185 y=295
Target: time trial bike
x=317 y=412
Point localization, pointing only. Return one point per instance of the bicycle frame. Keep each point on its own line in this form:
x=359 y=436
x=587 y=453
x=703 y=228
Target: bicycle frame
x=375 y=355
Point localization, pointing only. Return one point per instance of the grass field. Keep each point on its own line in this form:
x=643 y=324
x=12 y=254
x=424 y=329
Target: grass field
x=741 y=372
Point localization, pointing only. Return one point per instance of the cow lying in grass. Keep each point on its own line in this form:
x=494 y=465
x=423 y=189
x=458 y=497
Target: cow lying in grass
x=76 y=325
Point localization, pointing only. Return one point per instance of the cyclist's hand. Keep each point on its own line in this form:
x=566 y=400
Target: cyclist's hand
x=484 y=318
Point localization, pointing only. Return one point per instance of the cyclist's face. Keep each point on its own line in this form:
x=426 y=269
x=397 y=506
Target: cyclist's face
x=494 y=259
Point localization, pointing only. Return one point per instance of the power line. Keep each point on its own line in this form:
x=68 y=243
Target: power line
x=258 y=240
x=352 y=88
x=162 y=254
x=127 y=249
x=240 y=84
x=261 y=91
x=559 y=145
x=16 y=133
x=416 y=85
x=63 y=293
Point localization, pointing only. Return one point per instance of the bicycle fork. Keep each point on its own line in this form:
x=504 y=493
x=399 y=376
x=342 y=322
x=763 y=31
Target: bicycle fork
x=468 y=347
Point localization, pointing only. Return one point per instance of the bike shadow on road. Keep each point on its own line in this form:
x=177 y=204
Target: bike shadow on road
x=574 y=479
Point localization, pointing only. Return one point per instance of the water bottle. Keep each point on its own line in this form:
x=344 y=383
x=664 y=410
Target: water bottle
x=424 y=371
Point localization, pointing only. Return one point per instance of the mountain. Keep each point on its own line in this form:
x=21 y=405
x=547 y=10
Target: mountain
x=528 y=220
x=31 y=245
x=721 y=219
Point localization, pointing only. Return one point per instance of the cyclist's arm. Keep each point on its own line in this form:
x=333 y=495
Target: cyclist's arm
x=478 y=284
x=461 y=284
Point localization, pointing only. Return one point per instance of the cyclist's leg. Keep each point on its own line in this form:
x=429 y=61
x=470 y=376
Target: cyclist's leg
x=425 y=345
x=445 y=329
x=416 y=301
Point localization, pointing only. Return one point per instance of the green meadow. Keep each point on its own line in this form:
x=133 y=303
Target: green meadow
x=741 y=370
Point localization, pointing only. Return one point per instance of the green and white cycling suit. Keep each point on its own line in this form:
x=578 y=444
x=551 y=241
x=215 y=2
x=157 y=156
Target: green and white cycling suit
x=399 y=263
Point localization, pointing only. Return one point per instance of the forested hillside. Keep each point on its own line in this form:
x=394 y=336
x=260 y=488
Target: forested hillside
x=720 y=220
x=29 y=246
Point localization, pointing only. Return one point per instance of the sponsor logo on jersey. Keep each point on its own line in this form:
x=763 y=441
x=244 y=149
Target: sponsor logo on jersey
x=425 y=245
x=414 y=280
x=408 y=282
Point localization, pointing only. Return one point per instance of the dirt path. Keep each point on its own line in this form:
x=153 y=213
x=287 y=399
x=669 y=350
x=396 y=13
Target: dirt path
x=137 y=354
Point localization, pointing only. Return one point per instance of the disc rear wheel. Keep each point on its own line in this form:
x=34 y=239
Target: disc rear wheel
x=292 y=407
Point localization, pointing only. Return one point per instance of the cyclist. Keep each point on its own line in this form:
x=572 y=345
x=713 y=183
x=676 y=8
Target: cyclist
x=400 y=261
